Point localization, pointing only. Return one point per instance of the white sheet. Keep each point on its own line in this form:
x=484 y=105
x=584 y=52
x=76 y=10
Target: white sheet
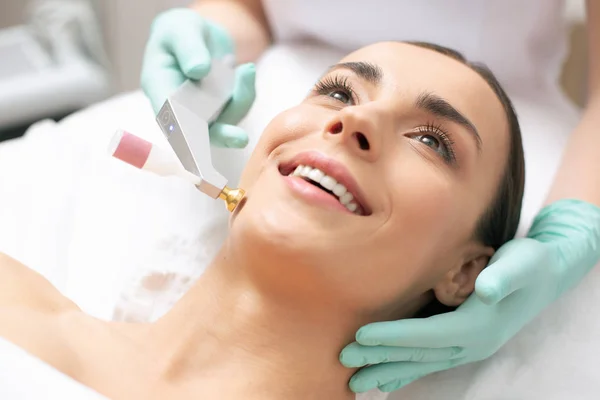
x=24 y=377
x=115 y=221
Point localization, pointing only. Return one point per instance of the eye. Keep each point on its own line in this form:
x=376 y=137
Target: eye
x=342 y=96
x=437 y=140
x=430 y=140
x=336 y=87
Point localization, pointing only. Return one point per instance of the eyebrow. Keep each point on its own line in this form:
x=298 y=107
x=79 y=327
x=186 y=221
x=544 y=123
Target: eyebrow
x=426 y=101
x=365 y=70
x=439 y=107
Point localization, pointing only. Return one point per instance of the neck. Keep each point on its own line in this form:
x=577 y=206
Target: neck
x=233 y=332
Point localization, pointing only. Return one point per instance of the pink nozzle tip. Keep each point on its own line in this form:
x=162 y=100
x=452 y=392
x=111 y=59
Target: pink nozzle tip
x=130 y=148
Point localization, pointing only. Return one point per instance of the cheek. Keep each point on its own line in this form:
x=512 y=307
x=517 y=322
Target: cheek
x=427 y=223
x=271 y=217
x=286 y=127
x=414 y=244
x=426 y=203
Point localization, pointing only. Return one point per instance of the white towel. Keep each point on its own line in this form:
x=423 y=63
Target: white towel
x=24 y=377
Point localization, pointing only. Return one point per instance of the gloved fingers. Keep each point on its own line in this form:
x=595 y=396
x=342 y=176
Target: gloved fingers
x=399 y=384
x=244 y=93
x=230 y=136
x=187 y=44
x=379 y=375
x=175 y=50
x=355 y=356
x=159 y=83
x=439 y=331
x=515 y=265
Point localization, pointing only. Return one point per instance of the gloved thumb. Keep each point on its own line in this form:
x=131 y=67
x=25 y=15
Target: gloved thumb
x=230 y=136
x=513 y=266
x=242 y=98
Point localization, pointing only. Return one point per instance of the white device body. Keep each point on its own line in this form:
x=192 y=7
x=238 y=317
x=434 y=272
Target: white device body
x=185 y=119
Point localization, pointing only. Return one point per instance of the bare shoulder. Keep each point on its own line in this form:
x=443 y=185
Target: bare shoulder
x=22 y=287
x=32 y=312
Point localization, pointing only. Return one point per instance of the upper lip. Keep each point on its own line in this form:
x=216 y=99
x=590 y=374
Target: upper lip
x=331 y=167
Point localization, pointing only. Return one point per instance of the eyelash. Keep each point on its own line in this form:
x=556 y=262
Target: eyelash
x=444 y=137
x=330 y=84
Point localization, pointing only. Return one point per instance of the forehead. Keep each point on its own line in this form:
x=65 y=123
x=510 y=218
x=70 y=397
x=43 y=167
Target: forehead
x=409 y=70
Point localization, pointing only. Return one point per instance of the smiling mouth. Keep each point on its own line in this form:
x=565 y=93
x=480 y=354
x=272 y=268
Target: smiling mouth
x=329 y=185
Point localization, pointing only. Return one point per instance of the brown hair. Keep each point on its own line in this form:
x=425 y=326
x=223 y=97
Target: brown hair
x=500 y=221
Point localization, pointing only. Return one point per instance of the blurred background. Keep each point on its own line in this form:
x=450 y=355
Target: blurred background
x=58 y=56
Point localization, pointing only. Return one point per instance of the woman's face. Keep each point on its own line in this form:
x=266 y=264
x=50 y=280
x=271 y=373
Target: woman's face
x=413 y=144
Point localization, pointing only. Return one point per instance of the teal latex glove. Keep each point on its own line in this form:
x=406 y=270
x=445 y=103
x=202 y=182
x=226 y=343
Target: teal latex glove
x=181 y=46
x=524 y=276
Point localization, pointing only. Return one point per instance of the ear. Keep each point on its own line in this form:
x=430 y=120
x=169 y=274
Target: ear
x=458 y=284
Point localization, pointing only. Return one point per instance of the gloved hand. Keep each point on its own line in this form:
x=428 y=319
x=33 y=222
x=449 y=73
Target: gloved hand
x=524 y=276
x=181 y=46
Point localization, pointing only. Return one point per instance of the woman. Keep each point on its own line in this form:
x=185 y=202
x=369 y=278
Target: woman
x=525 y=46
x=376 y=196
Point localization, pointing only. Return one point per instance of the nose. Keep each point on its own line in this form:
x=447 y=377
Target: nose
x=356 y=128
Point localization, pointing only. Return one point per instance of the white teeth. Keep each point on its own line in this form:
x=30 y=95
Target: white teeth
x=339 y=190
x=316 y=175
x=329 y=183
x=346 y=198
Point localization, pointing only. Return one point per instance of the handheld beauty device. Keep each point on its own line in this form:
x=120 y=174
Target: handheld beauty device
x=184 y=119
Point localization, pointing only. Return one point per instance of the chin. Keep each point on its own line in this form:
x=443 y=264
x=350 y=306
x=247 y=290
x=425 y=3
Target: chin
x=278 y=230
x=275 y=219
x=291 y=256
x=284 y=244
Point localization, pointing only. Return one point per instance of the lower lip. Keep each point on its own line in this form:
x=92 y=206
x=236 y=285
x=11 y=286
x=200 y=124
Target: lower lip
x=313 y=194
